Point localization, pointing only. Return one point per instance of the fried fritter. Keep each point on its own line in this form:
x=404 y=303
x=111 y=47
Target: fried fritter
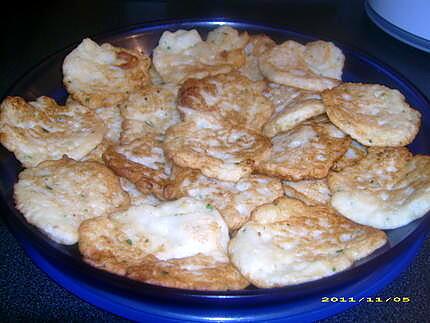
x=183 y=54
x=315 y=66
x=234 y=201
x=227 y=154
x=307 y=151
x=293 y=106
x=99 y=76
x=372 y=114
x=287 y=243
x=387 y=189
x=180 y=244
x=229 y=98
x=150 y=110
x=142 y=162
x=57 y=195
x=256 y=46
x=43 y=130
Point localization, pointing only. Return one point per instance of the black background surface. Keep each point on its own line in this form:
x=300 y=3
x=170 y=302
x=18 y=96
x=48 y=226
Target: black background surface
x=29 y=32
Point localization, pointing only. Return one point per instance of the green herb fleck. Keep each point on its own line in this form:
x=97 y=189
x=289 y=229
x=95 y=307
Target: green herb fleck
x=149 y=123
x=146 y=240
x=333 y=269
x=129 y=242
x=87 y=99
x=339 y=251
x=49 y=187
x=209 y=207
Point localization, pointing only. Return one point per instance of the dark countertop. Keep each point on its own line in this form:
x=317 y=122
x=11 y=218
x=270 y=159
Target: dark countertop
x=31 y=32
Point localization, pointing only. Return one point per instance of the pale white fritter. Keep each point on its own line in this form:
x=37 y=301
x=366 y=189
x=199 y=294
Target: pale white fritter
x=43 y=130
x=312 y=192
x=372 y=114
x=287 y=243
x=56 y=196
x=315 y=66
x=234 y=201
x=177 y=229
x=307 y=151
x=103 y=75
x=256 y=46
x=224 y=153
x=292 y=106
x=151 y=110
x=387 y=189
x=230 y=98
x=183 y=54
x=182 y=244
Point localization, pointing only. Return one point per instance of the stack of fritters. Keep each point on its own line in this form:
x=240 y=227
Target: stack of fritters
x=218 y=163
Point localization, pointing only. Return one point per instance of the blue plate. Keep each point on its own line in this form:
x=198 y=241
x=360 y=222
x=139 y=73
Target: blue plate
x=138 y=300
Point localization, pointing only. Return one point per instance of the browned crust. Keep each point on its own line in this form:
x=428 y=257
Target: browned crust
x=147 y=180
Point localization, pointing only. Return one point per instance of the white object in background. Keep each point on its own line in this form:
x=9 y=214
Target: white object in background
x=410 y=15
x=406 y=20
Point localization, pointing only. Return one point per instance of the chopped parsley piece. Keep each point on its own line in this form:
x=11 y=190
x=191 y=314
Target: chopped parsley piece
x=49 y=187
x=339 y=251
x=333 y=269
x=149 y=123
x=129 y=242
x=209 y=207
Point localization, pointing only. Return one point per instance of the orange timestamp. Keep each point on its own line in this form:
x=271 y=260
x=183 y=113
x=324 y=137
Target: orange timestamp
x=396 y=299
